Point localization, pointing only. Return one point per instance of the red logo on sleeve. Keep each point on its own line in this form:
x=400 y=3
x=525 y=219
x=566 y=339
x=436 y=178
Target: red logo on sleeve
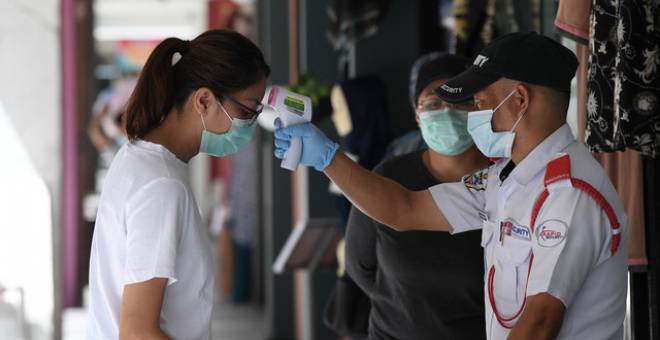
x=551 y=233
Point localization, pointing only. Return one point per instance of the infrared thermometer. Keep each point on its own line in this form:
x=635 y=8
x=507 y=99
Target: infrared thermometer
x=292 y=109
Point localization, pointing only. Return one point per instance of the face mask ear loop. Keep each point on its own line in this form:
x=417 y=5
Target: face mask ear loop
x=518 y=121
x=503 y=101
x=201 y=116
x=225 y=111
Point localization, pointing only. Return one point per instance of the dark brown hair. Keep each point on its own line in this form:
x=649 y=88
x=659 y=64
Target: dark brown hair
x=223 y=61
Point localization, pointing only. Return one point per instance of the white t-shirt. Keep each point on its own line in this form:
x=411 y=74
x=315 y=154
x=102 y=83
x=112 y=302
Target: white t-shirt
x=566 y=253
x=148 y=226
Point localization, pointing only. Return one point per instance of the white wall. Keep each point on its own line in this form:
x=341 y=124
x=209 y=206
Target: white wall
x=26 y=242
x=30 y=153
x=30 y=80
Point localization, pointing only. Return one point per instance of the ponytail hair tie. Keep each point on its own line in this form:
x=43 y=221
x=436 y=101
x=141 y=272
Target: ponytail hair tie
x=185 y=46
x=176 y=57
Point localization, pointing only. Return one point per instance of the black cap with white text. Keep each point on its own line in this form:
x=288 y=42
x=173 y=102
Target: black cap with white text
x=527 y=57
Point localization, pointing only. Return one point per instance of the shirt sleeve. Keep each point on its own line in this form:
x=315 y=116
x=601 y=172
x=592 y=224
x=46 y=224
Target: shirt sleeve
x=571 y=236
x=361 y=259
x=463 y=203
x=154 y=224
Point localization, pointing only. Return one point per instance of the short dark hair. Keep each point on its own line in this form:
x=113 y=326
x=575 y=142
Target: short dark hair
x=221 y=60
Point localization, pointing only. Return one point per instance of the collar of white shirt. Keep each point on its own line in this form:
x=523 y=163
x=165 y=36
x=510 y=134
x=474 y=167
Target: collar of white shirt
x=543 y=153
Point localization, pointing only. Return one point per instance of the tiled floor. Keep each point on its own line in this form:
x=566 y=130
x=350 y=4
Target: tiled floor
x=237 y=322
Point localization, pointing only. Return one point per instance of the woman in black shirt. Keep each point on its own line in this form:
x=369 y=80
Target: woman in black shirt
x=423 y=284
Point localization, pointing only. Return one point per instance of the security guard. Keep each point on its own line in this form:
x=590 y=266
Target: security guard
x=553 y=228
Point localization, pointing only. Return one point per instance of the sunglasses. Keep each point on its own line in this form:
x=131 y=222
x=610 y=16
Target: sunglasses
x=246 y=113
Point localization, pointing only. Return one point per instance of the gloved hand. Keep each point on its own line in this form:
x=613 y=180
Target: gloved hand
x=317 y=149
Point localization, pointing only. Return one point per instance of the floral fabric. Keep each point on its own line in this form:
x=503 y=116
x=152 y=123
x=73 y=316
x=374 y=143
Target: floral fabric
x=623 y=104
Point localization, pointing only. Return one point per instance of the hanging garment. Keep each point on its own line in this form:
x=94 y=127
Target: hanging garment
x=624 y=83
x=370 y=120
x=637 y=86
x=572 y=20
x=473 y=26
x=623 y=168
x=478 y=22
x=527 y=15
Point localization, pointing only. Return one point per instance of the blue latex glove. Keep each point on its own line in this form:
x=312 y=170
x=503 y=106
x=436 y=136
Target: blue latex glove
x=317 y=149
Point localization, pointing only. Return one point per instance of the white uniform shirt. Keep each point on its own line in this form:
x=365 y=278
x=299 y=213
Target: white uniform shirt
x=148 y=226
x=570 y=243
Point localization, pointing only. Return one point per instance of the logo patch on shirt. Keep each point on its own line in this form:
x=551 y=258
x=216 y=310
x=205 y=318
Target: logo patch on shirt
x=476 y=181
x=510 y=228
x=551 y=233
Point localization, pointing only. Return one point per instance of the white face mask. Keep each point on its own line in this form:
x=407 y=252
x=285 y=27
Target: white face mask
x=491 y=143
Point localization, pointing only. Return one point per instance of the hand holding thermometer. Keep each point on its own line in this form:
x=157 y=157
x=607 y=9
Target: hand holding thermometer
x=293 y=109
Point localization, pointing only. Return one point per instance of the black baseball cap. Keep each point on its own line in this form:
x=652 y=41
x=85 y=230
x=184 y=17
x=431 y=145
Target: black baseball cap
x=524 y=56
x=431 y=67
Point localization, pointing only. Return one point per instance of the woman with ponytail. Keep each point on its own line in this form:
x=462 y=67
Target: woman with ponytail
x=151 y=272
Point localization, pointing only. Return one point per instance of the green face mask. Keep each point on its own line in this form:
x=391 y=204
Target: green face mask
x=445 y=131
x=240 y=133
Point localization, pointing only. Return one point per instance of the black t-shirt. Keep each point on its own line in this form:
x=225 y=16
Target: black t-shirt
x=422 y=284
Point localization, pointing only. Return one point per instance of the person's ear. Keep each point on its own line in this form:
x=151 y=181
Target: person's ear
x=521 y=99
x=202 y=100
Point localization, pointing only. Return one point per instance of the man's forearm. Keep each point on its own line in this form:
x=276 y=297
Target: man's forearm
x=537 y=330
x=378 y=197
x=382 y=199
x=541 y=319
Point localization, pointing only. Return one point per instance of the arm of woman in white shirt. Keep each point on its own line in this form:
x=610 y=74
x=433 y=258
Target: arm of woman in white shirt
x=139 y=317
